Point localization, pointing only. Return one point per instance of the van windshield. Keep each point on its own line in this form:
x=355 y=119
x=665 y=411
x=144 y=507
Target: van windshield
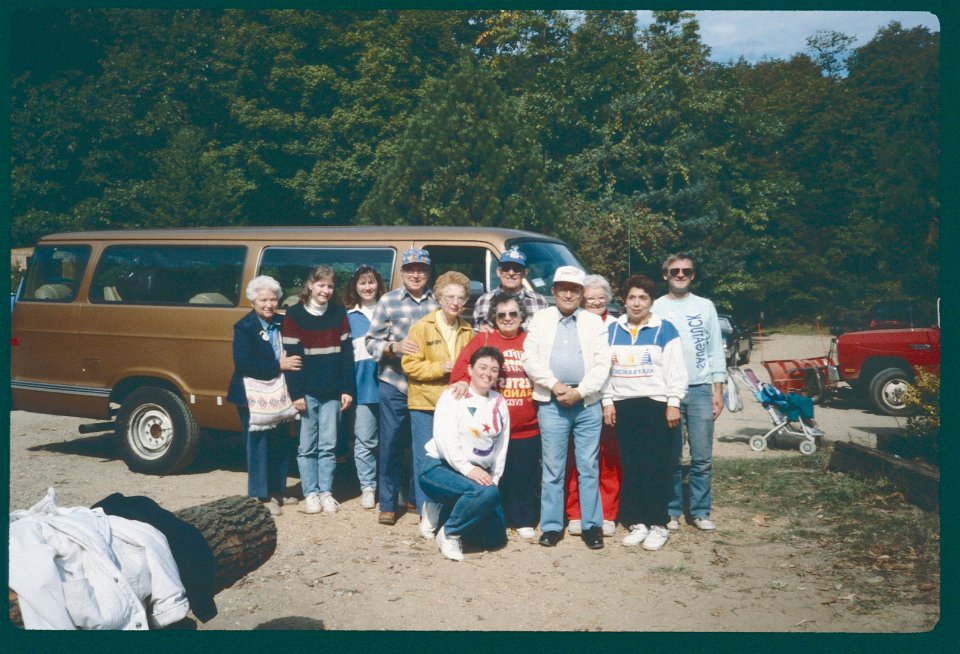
x=543 y=259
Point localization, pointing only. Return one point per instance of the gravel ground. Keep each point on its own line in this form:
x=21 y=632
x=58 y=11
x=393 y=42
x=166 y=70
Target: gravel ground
x=346 y=572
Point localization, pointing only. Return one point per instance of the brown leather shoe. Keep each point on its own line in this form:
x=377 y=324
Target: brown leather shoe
x=387 y=518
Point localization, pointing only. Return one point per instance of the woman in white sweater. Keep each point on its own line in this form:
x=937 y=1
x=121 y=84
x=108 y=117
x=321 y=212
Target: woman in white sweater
x=466 y=457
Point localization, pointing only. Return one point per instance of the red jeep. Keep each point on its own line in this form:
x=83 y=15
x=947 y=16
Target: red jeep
x=881 y=363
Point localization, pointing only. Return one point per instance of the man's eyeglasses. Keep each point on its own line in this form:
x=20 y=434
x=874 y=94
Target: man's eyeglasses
x=512 y=268
x=507 y=314
x=675 y=272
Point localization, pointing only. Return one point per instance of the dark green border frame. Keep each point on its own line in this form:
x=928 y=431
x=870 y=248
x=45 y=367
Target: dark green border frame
x=944 y=636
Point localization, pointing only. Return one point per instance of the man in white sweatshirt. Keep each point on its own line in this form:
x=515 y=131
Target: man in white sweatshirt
x=695 y=318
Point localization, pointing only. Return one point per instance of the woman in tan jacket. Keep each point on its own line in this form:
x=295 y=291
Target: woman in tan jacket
x=440 y=335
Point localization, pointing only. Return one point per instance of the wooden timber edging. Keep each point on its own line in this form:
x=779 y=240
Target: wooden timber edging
x=239 y=530
x=919 y=482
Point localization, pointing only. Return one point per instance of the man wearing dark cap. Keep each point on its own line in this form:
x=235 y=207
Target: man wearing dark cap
x=387 y=342
x=511 y=272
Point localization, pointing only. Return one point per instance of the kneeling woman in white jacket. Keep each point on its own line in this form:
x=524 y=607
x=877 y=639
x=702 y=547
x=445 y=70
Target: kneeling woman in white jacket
x=465 y=459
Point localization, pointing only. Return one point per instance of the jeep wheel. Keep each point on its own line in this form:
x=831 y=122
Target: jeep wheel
x=887 y=390
x=157 y=433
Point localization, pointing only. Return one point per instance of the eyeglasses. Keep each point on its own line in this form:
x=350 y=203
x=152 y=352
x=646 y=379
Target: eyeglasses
x=595 y=301
x=675 y=272
x=512 y=268
x=452 y=299
x=415 y=271
x=507 y=314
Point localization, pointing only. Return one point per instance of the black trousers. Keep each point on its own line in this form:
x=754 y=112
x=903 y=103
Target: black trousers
x=645 y=448
x=520 y=485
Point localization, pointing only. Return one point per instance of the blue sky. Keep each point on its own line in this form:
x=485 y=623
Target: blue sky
x=758 y=35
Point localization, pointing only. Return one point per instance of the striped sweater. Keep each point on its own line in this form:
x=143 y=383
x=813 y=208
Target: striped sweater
x=325 y=345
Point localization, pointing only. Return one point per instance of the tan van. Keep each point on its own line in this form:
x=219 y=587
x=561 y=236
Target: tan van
x=135 y=328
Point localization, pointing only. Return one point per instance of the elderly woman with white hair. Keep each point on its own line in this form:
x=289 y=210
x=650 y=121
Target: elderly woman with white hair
x=258 y=353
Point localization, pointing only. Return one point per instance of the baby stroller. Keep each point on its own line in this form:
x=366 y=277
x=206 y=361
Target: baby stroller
x=790 y=413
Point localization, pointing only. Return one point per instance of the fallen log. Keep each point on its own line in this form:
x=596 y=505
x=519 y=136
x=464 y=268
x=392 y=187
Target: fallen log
x=919 y=482
x=239 y=530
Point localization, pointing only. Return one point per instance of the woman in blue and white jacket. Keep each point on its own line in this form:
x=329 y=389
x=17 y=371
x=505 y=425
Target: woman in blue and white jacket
x=362 y=292
x=641 y=399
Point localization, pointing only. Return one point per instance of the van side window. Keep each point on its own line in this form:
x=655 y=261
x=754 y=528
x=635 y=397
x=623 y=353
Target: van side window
x=291 y=265
x=54 y=273
x=472 y=261
x=169 y=274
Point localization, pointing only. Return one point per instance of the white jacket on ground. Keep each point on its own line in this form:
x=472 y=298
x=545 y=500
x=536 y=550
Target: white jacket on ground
x=80 y=568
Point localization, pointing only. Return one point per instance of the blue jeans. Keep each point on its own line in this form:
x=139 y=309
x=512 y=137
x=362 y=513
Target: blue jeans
x=365 y=431
x=696 y=412
x=468 y=509
x=394 y=433
x=268 y=453
x=421 y=428
x=556 y=424
x=316 y=455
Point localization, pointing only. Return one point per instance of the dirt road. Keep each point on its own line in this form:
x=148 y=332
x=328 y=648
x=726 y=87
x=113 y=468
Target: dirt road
x=345 y=571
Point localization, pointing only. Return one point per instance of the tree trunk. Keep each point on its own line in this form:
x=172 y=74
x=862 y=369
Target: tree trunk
x=240 y=531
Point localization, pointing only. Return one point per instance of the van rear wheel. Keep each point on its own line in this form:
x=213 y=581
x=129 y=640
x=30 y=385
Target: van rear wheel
x=157 y=432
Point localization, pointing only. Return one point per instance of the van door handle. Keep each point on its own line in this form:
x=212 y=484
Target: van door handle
x=920 y=346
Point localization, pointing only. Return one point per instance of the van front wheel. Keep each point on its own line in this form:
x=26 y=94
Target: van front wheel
x=157 y=432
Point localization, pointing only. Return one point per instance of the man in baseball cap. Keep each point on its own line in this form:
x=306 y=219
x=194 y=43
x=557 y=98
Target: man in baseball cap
x=567 y=357
x=511 y=272
x=387 y=342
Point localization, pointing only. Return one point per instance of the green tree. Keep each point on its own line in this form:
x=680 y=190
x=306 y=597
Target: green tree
x=895 y=174
x=465 y=158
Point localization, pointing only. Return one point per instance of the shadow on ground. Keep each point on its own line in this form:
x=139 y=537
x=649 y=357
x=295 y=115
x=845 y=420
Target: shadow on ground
x=294 y=622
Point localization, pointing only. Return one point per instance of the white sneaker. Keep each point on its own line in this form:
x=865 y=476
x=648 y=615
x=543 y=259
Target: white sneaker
x=704 y=524
x=575 y=528
x=449 y=547
x=273 y=506
x=636 y=536
x=526 y=532
x=429 y=517
x=674 y=523
x=329 y=504
x=368 y=498
x=656 y=539
x=609 y=527
x=312 y=500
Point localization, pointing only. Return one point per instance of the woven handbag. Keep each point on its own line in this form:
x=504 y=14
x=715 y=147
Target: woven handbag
x=269 y=402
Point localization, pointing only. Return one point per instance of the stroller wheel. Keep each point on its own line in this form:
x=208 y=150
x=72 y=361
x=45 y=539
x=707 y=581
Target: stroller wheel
x=808 y=447
x=758 y=443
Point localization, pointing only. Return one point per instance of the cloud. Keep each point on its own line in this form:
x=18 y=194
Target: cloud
x=757 y=35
